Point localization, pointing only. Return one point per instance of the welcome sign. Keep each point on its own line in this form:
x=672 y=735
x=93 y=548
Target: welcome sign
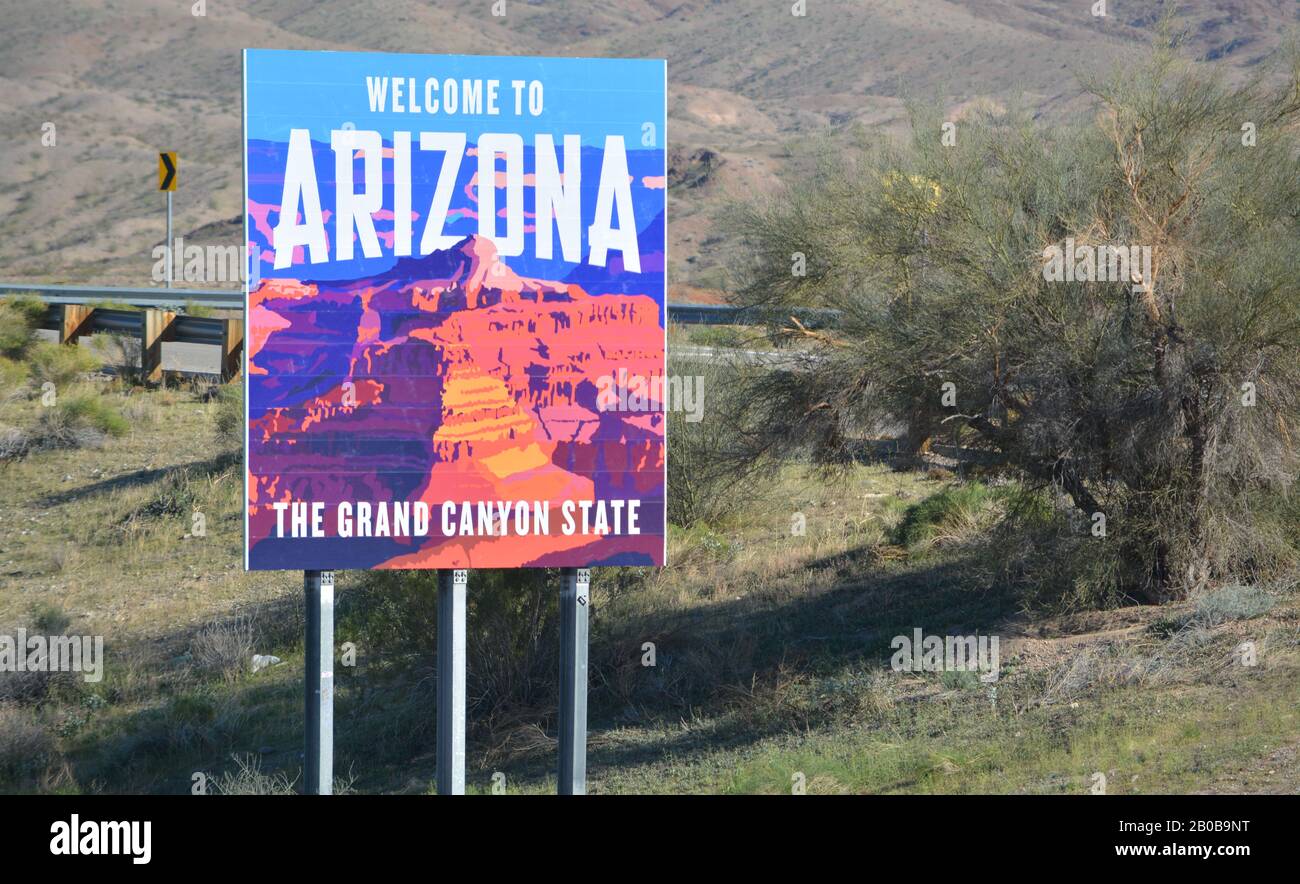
x=455 y=311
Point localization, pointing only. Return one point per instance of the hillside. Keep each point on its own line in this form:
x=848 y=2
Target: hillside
x=122 y=79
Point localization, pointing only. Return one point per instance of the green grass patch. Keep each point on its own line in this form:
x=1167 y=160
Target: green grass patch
x=1142 y=741
x=955 y=514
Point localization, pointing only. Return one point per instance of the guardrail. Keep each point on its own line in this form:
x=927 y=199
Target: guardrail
x=227 y=299
x=161 y=340
x=220 y=299
x=171 y=340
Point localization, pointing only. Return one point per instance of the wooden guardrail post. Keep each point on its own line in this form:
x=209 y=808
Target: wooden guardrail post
x=158 y=327
x=76 y=321
x=232 y=349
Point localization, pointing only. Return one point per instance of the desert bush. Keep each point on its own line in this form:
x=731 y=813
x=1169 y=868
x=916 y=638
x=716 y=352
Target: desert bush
x=248 y=779
x=35 y=686
x=1165 y=400
x=1233 y=603
x=13 y=379
x=90 y=410
x=177 y=493
x=26 y=748
x=205 y=718
x=229 y=422
x=59 y=364
x=699 y=543
x=122 y=306
x=80 y=420
x=20 y=317
x=124 y=353
x=225 y=646
x=50 y=618
x=32 y=687
x=511 y=633
x=14 y=443
x=140 y=411
x=706 y=484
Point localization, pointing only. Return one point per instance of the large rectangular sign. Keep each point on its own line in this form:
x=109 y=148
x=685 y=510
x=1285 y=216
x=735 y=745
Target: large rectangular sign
x=455 y=311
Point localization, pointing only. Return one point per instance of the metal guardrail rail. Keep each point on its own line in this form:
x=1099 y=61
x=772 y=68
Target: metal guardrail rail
x=171 y=339
x=227 y=299
x=220 y=299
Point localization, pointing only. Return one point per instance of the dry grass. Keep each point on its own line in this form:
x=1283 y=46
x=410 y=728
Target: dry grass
x=761 y=633
x=131 y=574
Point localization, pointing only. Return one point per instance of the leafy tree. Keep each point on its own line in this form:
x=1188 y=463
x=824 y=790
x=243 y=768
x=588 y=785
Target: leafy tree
x=1165 y=401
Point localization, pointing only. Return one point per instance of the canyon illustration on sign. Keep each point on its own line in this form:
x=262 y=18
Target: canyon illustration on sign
x=455 y=311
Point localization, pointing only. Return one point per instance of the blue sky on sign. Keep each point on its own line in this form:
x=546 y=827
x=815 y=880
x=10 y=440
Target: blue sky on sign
x=590 y=97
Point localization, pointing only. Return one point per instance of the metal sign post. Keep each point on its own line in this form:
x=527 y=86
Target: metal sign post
x=318 y=767
x=574 y=603
x=167 y=166
x=451 y=681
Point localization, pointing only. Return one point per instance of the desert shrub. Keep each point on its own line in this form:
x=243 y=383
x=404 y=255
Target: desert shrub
x=36 y=686
x=13 y=379
x=203 y=717
x=224 y=647
x=1127 y=395
x=26 y=748
x=706 y=484
x=82 y=420
x=177 y=493
x=50 y=618
x=391 y=614
x=512 y=631
x=140 y=411
x=1048 y=554
x=32 y=687
x=229 y=421
x=72 y=416
x=698 y=543
x=1233 y=603
x=248 y=779
x=20 y=317
x=124 y=353
x=1046 y=551
x=59 y=364
x=14 y=443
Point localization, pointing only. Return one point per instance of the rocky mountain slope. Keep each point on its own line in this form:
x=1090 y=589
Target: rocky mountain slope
x=119 y=80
